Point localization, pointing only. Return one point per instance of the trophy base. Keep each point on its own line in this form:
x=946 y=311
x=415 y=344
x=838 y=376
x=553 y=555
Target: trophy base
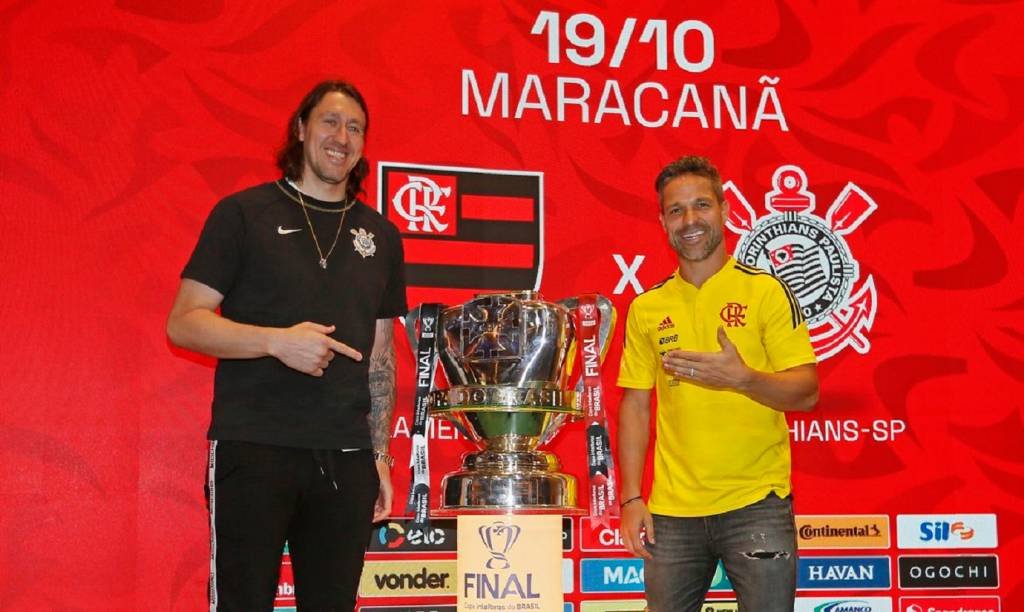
x=516 y=482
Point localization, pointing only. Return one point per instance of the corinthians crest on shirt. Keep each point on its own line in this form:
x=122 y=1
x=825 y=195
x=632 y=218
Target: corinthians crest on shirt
x=464 y=230
x=811 y=255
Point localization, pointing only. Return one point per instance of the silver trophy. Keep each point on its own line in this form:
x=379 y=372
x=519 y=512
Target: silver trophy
x=508 y=358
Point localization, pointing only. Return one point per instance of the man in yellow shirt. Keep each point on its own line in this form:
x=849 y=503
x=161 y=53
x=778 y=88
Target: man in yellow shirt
x=727 y=350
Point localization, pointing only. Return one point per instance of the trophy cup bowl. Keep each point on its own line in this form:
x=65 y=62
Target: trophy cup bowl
x=507 y=358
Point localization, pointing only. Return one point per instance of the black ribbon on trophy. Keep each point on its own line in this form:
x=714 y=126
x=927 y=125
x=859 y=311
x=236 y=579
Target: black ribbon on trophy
x=419 y=460
x=601 y=467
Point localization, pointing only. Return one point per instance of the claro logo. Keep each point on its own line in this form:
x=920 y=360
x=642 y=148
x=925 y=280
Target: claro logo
x=401 y=578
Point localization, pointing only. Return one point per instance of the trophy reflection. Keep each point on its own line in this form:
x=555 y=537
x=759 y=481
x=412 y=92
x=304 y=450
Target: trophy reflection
x=507 y=359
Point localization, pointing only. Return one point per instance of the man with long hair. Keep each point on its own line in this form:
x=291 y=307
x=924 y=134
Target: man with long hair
x=727 y=350
x=293 y=287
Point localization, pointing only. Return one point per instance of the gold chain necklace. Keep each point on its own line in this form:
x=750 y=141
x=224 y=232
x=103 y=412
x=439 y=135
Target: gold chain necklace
x=316 y=243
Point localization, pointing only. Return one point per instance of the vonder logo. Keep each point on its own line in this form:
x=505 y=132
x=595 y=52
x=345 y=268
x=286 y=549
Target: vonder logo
x=407 y=578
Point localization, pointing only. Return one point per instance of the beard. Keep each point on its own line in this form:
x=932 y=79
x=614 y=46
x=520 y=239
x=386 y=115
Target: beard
x=701 y=250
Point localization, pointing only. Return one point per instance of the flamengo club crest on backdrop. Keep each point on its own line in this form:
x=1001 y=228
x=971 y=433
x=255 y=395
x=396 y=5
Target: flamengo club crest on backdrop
x=465 y=229
x=810 y=254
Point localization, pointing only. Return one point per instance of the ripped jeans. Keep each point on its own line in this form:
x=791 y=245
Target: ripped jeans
x=756 y=544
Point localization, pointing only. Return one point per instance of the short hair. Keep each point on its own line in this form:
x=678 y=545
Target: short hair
x=290 y=158
x=691 y=164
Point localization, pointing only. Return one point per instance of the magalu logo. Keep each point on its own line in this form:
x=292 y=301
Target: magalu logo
x=811 y=255
x=398 y=536
x=626 y=575
x=949 y=603
x=850 y=573
x=465 y=229
x=948 y=572
x=407 y=578
x=946 y=531
x=615 y=575
x=850 y=531
x=842 y=604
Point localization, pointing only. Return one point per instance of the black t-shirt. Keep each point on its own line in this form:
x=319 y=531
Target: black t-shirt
x=270 y=276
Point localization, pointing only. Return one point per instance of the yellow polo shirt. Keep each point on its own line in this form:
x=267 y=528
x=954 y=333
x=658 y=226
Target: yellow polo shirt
x=715 y=450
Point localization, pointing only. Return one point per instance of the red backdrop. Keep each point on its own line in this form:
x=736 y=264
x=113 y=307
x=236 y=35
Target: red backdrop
x=125 y=121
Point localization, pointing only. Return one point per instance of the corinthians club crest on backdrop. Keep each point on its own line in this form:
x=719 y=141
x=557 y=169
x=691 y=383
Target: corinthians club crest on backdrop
x=465 y=229
x=811 y=255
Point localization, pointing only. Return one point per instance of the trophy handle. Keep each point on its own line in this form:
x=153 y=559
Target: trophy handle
x=608 y=318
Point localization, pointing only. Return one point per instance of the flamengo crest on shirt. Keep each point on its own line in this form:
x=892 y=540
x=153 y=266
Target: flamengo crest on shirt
x=465 y=228
x=810 y=254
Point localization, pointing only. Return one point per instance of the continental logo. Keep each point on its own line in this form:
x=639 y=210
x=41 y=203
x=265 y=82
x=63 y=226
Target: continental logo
x=407 y=578
x=850 y=531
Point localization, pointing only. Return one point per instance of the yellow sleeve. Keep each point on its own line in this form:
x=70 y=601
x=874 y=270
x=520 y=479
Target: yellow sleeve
x=787 y=341
x=640 y=363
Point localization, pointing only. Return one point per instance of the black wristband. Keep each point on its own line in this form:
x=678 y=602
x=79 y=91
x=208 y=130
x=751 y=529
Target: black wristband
x=630 y=500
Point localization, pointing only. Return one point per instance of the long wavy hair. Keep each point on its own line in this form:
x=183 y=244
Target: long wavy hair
x=290 y=158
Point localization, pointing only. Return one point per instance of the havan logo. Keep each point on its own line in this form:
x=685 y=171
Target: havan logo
x=844 y=573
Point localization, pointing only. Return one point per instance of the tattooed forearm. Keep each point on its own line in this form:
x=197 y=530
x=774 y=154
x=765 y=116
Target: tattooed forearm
x=382 y=385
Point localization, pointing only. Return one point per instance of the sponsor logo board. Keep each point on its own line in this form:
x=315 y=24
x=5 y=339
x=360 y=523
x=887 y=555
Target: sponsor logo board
x=946 y=531
x=848 y=531
x=397 y=536
x=406 y=609
x=843 y=604
x=948 y=571
x=407 y=578
x=626 y=575
x=634 y=605
x=943 y=603
x=595 y=537
x=844 y=573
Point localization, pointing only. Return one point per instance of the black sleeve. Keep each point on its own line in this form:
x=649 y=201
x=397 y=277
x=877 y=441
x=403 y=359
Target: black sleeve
x=217 y=258
x=394 y=303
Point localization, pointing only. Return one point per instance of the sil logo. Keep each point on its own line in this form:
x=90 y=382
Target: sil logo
x=811 y=255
